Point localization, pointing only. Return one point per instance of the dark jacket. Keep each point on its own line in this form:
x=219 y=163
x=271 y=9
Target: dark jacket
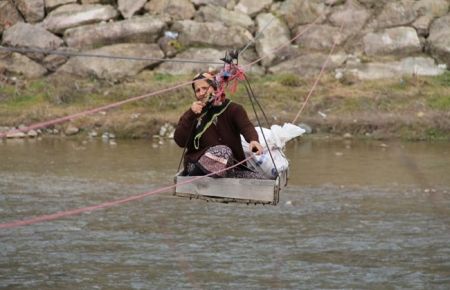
x=230 y=124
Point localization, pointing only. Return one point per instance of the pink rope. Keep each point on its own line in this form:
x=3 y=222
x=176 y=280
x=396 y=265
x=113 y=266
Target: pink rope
x=308 y=27
x=117 y=104
x=57 y=215
x=92 y=111
x=322 y=70
x=61 y=214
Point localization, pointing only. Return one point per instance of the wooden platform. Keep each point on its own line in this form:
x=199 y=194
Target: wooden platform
x=241 y=190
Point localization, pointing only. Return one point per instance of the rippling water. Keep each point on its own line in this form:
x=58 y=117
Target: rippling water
x=356 y=215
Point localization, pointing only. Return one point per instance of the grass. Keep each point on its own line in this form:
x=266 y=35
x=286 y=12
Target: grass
x=441 y=103
x=442 y=80
x=408 y=108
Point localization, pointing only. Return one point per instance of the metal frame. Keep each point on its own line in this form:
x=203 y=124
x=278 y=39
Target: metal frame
x=231 y=190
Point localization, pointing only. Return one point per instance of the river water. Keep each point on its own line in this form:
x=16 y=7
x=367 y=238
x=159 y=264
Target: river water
x=356 y=215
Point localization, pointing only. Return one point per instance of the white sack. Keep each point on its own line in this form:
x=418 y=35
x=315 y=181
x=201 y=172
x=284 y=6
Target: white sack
x=276 y=138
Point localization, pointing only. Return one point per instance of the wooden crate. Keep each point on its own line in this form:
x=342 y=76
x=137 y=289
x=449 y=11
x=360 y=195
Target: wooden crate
x=241 y=190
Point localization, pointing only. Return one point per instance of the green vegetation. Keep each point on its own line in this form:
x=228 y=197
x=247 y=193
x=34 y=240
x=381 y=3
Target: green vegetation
x=410 y=108
x=439 y=103
x=442 y=80
x=290 y=80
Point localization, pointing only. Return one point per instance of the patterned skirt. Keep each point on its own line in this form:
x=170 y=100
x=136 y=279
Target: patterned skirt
x=217 y=159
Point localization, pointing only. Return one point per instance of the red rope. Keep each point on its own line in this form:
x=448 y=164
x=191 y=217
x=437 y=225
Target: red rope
x=322 y=69
x=92 y=111
x=308 y=27
x=72 y=212
x=61 y=214
x=113 y=105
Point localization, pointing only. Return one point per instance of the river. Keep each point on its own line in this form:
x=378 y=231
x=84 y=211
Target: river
x=355 y=215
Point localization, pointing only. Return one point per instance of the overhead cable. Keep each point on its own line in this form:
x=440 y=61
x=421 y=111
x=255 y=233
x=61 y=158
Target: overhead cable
x=82 y=54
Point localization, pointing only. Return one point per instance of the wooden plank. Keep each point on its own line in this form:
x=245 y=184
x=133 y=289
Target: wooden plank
x=223 y=199
x=251 y=189
x=264 y=191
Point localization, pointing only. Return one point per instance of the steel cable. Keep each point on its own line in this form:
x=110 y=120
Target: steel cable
x=81 y=54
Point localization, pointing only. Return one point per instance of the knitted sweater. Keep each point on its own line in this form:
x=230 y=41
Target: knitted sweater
x=226 y=131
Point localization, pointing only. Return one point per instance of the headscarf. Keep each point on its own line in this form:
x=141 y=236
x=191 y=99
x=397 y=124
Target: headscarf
x=213 y=109
x=219 y=95
x=205 y=75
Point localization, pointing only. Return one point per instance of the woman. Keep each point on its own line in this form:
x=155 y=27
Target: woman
x=210 y=130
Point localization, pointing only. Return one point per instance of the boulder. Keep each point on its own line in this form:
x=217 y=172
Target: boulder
x=299 y=12
x=400 y=40
x=53 y=61
x=73 y=15
x=32 y=133
x=422 y=25
x=373 y=4
x=439 y=39
x=167 y=131
x=52 y=4
x=109 y=2
x=71 y=130
x=351 y=15
x=221 y=3
x=128 y=7
x=335 y=2
x=419 y=66
x=249 y=61
x=412 y=66
x=28 y=35
x=203 y=54
x=170 y=46
x=32 y=10
x=211 y=13
x=17 y=63
x=8 y=15
x=309 y=65
x=396 y=13
x=274 y=36
x=176 y=10
x=214 y=34
x=319 y=37
x=15 y=134
x=433 y=8
x=4 y=129
x=137 y=30
x=253 y=7
x=113 y=69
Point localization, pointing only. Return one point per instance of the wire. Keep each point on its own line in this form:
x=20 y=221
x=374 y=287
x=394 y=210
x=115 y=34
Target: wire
x=92 y=111
x=257 y=101
x=256 y=36
x=80 y=54
x=318 y=77
x=250 y=95
x=308 y=27
x=186 y=145
x=61 y=214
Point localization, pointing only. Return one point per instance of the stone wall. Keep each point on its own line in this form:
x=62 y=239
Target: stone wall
x=379 y=39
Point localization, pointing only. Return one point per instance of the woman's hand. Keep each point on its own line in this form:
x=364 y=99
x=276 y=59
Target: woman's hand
x=255 y=147
x=197 y=107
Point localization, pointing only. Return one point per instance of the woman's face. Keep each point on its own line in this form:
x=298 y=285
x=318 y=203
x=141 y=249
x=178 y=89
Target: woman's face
x=202 y=90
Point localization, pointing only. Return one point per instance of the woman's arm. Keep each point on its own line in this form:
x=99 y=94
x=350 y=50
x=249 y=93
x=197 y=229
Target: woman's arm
x=243 y=123
x=183 y=131
x=247 y=129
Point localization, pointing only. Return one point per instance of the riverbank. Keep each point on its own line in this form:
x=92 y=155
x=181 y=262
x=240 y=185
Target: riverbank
x=414 y=108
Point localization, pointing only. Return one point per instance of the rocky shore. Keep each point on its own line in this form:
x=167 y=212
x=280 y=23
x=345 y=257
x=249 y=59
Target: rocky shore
x=413 y=108
x=388 y=75
x=379 y=39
